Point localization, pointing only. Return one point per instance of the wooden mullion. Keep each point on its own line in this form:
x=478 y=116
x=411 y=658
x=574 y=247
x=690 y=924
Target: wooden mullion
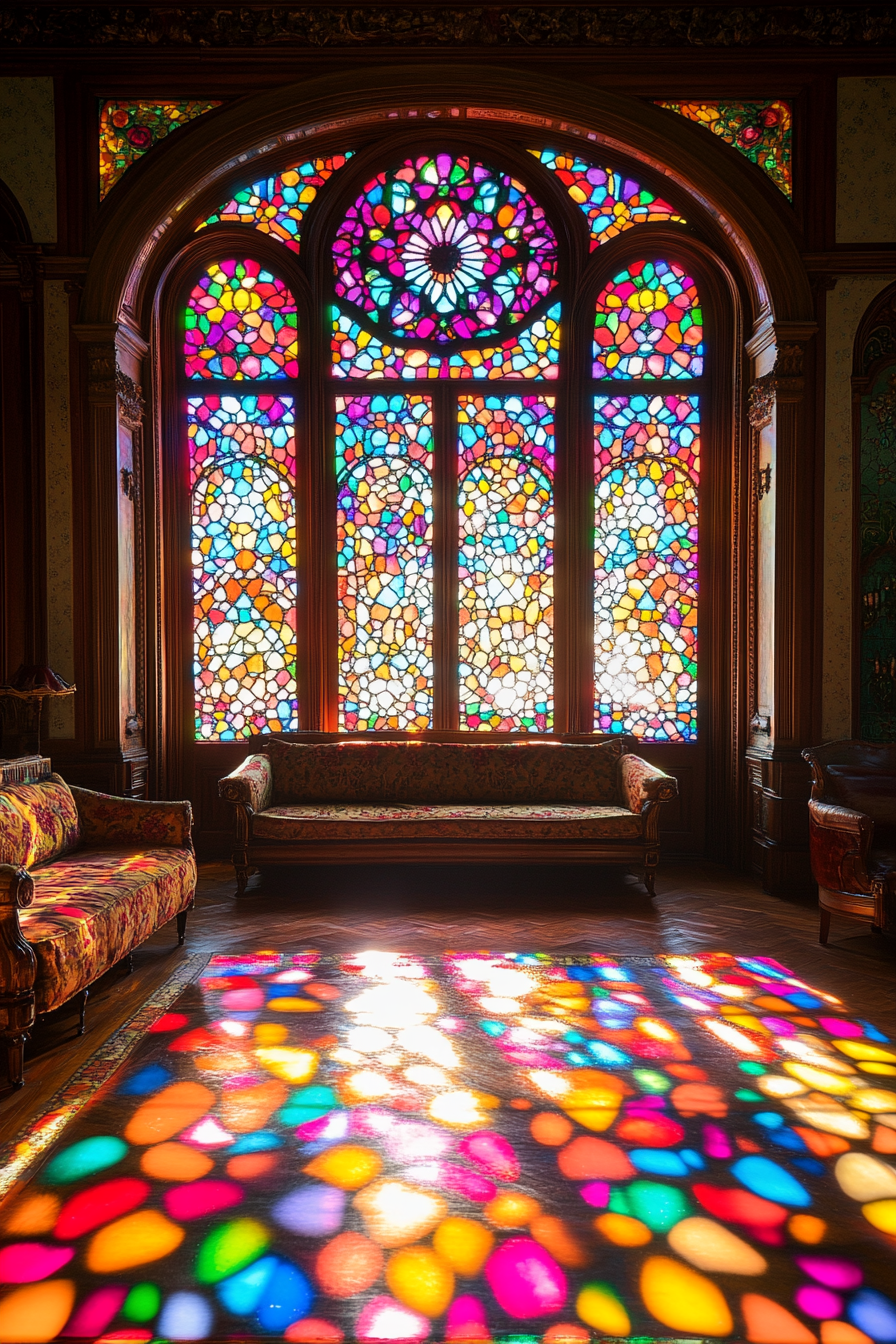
x=445 y=547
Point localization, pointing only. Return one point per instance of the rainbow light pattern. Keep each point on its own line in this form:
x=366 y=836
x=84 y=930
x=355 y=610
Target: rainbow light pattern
x=647 y=470
x=648 y=324
x=384 y=538
x=491 y=1147
x=762 y=132
x=610 y=202
x=242 y=465
x=532 y=353
x=128 y=128
x=444 y=249
x=277 y=205
x=506 y=593
x=240 y=323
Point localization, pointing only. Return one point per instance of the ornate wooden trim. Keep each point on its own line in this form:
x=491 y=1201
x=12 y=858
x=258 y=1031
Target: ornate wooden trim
x=130 y=403
x=761 y=402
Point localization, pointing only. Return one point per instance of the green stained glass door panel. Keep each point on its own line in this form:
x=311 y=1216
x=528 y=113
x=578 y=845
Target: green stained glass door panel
x=877 y=544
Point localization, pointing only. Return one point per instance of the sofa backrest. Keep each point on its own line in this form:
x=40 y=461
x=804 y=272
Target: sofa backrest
x=860 y=775
x=361 y=771
x=38 y=822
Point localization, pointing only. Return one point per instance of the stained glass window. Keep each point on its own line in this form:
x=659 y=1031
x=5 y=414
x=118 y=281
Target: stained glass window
x=648 y=324
x=240 y=323
x=277 y=205
x=242 y=458
x=762 y=132
x=506 y=594
x=647 y=472
x=610 y=201
x=384 y=529
x=129 y=127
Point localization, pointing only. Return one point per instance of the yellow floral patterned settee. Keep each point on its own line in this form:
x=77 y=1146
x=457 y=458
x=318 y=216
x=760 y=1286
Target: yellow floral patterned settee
x=84 y=879
x=360 y=801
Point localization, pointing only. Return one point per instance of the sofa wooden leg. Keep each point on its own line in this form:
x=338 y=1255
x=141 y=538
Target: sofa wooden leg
x=824 y=926
x=242 y=878
x=82 y=1011
x=650 y=880
x=15 y=1058
x=182 y=927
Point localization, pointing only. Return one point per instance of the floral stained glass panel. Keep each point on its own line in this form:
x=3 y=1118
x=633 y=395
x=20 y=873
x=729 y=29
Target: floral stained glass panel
x=762 y=132
x=506 y=514
x=240 y=323
x=647 y=469
x=444 y=249
x=531 y=353
x=610 y=201
x=129 y=127
x=384 y=538
x=277 y=205
x=648 y=324
x=242 y=462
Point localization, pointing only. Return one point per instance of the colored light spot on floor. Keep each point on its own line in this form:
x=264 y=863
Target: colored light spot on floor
x=709 y=1246
x=874 y=1313
x=598 y=1305
x=466 y=1320
x=654 y=1131
x=313 y=1330
x=463 y=1244
x=229 y=1248
x=386 y=1319
x=559 y=1240
x=700 y=1099
x=420 y=1279
x=293 y=1004
x=242 y=999
x=175 y=1162
x=806 y=1228
x=311 y=1211
x=29 y=1261
x=261 y=1142
x=623 y=1230
x=137 y=1239
x=593 y=1098
x=169 y=1112
x=566 y=1333
x=146 y=1080
x=881 y=1213
x=201 y=1198
x=862 y=1050
x=828 y=1115
x=348 y=1166
x=874 y=1099
x=739 y=1206
x=142 y=1303
x=286 y=1298
x=207 y=1133
x=492 y=1153
x=251 y=1166
x=249 y=1108
x=820 y=1303
x=33 y=1215
x=596 y=1193
x=683 y=1299
x=186 y=1316
x=830 y=1271
x=868 y=1066
x=768 y=1322
x=270 y=1033
x=242 y=1292
x=865 y=1178
x=715 y=1142
x=550 y=1128
x=349 y=1264
x=525 y=1279
x=659 y=1206
x=822 y=1145
x=91 y=1208
x=309 y=1103
x=169 y=1022
x=774 y=1085
x=587 y=1158
x=651 y=1080
x=84 y=1159
x=821 y=1079
x=396 y=1213
x=36 y=1313
x=771 y=1181
x=839 y=1332
x=659 y=1161
x=292 y=1065
x=463 y=1108
x=96 y=1312
x=197 y=1039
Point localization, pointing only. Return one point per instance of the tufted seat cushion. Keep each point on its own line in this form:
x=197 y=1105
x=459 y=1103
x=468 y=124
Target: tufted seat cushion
x=376 y=821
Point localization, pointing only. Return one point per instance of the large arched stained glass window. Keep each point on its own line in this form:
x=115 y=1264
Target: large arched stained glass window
x=648 y=340
x=240 y=357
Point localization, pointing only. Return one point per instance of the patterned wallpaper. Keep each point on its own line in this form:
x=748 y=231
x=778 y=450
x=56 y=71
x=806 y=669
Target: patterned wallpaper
x=866 y=160
x=28 y=151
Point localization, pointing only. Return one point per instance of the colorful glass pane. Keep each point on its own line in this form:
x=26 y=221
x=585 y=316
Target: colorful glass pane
x=506 y=594
x=609 y=201
x=444 y=249
x=648 y=324
x=277 y=205
x=762 y=132
x=240 y=323
x=129 y=127
x=384 y=539
x=242 y=461
x=647 y=472
x=531 y=353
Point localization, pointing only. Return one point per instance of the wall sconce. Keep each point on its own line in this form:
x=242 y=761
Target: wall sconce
x=21 y=703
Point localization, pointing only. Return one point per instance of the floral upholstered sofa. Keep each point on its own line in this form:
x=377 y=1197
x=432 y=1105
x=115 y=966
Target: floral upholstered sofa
x=361 y=801
x=84 y=879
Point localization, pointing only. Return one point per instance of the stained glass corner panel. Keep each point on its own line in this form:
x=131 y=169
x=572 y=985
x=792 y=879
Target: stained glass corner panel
x=610 y=201
x=384 y=541
x=240 y=323
x=649 y=324
x=647 y=469
x=761 y=132
x=277 y=205
x=506 y=525
x=242 y=462
x=130 y=127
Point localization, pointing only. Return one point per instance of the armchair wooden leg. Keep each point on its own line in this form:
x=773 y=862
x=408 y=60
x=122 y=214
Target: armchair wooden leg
x=824 y=925
x=82 y=1011
x=242 y=877
x=182 y=927
x=15 y=1058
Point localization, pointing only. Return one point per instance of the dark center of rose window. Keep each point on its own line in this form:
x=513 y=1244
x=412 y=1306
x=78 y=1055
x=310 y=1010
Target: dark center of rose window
x=444 y=258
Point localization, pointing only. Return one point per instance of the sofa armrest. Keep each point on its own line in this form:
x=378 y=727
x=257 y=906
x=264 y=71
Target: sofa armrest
x=107 y=820
x=639 y=783
x=839 y=841
x=18 y=964
x=251 y=784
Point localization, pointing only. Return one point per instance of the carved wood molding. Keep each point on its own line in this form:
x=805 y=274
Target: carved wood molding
x=761 y=401
x=101 y=372
x=438 y=25
x=130 y=400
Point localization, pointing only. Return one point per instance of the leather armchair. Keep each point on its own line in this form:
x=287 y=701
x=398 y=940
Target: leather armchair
x=852 y=831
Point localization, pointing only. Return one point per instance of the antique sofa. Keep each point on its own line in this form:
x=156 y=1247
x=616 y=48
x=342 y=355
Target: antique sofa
x=84 y=879
x=852 y=831
x=362 y=801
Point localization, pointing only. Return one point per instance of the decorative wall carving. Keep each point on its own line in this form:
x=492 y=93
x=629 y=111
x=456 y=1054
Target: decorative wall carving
x=492 y=25
x=130 y=400
x=761 y=401
x=101 y=372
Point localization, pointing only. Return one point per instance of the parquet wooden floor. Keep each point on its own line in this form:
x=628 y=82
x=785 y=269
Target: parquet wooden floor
x=699 y=907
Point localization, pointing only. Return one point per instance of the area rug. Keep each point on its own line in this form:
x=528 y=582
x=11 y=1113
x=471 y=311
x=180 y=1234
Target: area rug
x=509 y=1147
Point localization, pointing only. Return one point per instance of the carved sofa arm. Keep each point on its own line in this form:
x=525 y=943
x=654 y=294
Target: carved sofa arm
x=107 y=820
x=251 y=784
x=640 y=784
x=839 y=841
x=18 y=968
